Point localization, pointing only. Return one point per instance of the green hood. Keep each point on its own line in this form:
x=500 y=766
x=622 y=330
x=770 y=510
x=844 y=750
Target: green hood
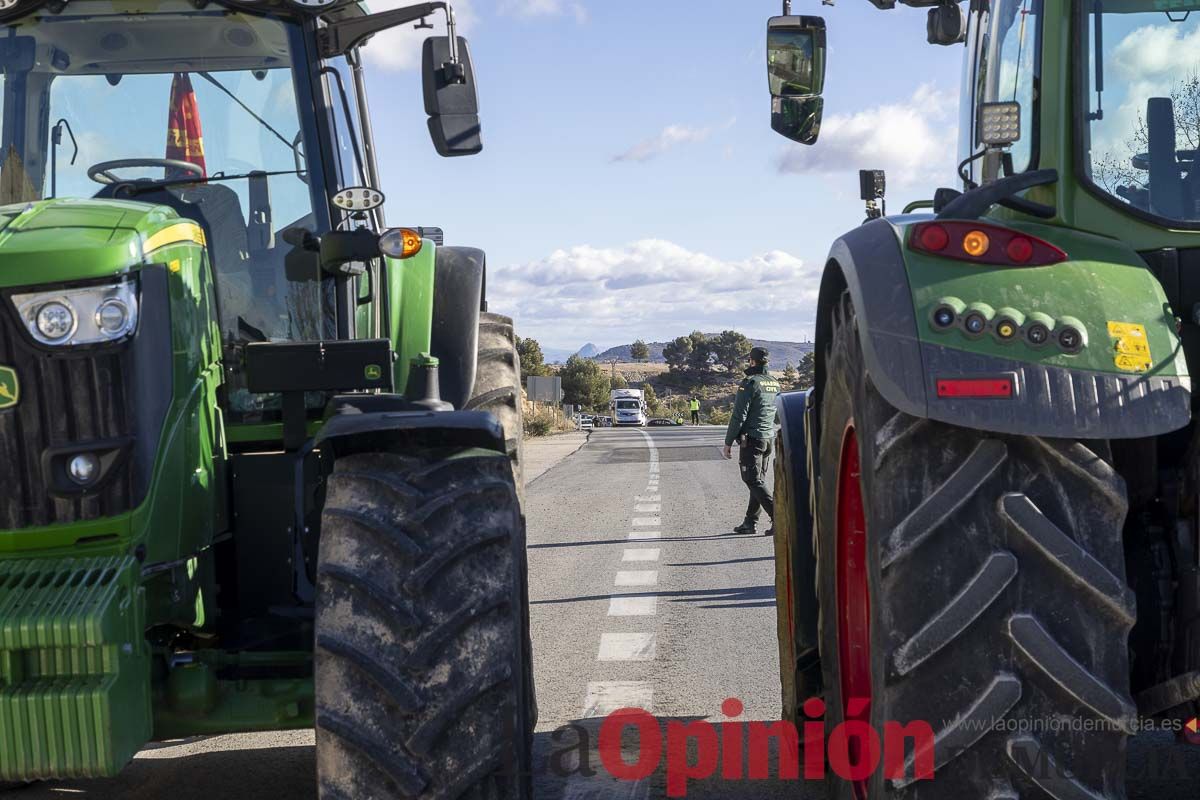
x=56 y=241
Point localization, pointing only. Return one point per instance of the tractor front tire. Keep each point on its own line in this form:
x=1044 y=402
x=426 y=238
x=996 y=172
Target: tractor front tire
x=498 y=385
x=975 y=582
x=422 y=667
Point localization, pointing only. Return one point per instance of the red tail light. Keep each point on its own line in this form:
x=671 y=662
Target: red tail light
x=983 y=243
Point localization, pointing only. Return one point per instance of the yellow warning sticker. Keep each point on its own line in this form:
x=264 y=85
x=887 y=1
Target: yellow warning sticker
x=1119 y=329
x=1132 y=363
x=1131 y=346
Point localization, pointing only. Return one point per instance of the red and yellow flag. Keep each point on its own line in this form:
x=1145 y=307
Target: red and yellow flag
x=185 y=135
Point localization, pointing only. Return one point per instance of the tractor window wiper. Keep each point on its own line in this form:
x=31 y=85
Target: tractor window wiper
x=208 y=77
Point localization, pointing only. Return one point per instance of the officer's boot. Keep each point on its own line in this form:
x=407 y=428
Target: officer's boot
x=746 y=528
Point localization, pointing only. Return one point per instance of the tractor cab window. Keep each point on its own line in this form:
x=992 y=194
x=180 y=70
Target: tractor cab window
x=196 y=109
x=1006 y=48
x=1140 y=105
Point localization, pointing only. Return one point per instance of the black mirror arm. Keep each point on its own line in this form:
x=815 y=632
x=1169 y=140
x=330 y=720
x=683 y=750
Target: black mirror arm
x=341 y=37
x=972 y=204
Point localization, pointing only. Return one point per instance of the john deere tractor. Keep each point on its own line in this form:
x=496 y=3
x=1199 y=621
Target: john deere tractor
x=989 y=501
x=259 y=452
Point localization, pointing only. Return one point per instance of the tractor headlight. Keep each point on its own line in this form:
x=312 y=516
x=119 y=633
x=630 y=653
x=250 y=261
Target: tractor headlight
x=86 y=315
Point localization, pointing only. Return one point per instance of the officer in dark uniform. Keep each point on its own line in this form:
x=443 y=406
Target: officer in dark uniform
x=752 y=426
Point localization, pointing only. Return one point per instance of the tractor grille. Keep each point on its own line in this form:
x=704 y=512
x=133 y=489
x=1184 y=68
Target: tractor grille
x=63 y=401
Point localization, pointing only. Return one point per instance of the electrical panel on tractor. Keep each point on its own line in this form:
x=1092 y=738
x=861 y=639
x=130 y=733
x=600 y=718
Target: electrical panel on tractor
x=988 y=504
x=259 y=451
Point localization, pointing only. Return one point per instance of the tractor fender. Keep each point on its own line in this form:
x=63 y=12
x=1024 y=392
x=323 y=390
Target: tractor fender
x=454 y=339
x=371 y=427
x=1047 y=400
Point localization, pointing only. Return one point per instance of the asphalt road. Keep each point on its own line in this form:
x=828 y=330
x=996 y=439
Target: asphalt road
x=641 y=597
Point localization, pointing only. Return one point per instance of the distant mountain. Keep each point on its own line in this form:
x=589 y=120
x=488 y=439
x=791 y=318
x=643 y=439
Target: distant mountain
x=781 y=352
x=554 y=355
x=589 y=350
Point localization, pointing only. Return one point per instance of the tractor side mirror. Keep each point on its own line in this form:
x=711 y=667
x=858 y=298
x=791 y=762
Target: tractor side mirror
x=796 y=75
x=450 y=97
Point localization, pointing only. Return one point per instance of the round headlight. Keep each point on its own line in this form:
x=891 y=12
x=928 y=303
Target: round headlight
x=83 y=468
x=55 y=320
x=112 y=316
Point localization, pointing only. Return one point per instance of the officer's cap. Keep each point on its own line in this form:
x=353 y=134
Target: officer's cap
x=760 y=354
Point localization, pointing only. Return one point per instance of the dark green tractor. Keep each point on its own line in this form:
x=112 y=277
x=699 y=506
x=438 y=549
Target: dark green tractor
x=988 y=504
x=259 y=452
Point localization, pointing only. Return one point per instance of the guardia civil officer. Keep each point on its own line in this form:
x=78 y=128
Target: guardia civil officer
x=752 y=426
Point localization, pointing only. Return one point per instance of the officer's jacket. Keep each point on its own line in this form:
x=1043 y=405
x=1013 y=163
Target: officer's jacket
x=754 y=409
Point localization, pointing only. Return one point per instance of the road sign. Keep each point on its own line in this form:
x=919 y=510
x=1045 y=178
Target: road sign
x=544 y=390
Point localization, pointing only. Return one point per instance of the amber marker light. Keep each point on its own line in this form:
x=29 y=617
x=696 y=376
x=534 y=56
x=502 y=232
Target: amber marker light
x=400 y=243
x=976 y=243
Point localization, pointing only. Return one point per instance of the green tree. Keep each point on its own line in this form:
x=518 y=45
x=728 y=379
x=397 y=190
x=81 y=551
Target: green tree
x=532 y=360
x=638 y=351
x=790 y=375
x=618 y=382
x=584 y=383
x=678 y=353
x=807 y=371
x=701 y=357
x=652 y=401
x=731 y=349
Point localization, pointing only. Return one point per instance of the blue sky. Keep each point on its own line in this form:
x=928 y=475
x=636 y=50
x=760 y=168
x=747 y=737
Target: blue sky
x=630 y=184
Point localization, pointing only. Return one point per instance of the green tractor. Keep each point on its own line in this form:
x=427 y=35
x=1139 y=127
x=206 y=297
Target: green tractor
x=259 y=453
x=989 y=501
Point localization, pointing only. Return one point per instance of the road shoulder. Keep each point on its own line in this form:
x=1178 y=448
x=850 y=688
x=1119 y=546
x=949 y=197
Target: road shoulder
x=545 y=452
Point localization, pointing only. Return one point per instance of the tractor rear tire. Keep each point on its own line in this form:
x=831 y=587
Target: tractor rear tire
x=994 y=590
x=498 y=385
x=422 y=661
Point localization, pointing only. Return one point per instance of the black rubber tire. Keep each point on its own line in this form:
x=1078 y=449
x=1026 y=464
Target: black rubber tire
x=421 y=614
x=998 y=597
x=498 y=385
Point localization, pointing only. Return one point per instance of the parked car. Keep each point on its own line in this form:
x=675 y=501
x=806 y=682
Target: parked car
x=584 y=423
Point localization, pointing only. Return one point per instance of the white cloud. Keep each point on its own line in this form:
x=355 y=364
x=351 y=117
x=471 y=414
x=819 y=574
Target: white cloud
x=655 y=289
x=914 y=141
x=671 y=137
x=400 y=47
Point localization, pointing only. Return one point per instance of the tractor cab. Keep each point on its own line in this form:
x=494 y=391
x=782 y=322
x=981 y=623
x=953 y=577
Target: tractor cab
x=243 y=118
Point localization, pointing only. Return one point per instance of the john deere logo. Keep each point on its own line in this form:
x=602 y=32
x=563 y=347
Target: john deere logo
x=10 y=388
x=373 y=372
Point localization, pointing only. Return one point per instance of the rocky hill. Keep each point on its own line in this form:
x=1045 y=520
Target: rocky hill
x=781 y=352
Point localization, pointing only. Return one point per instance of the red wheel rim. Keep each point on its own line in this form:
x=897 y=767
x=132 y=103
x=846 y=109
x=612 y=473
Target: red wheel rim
x=853 y=597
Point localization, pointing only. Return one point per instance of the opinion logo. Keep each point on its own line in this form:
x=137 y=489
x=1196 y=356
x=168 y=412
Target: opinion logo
x=696 y=750
x=10 y=387
x=1191 y=731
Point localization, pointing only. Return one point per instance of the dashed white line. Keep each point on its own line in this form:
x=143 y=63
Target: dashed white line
x=646 y=522
x=633 y=606
x=647 y=534
x=648 y=498
x=646 y=577
x=605 y=697
x=627 y=647
x=648 y=508
x=633 y=554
